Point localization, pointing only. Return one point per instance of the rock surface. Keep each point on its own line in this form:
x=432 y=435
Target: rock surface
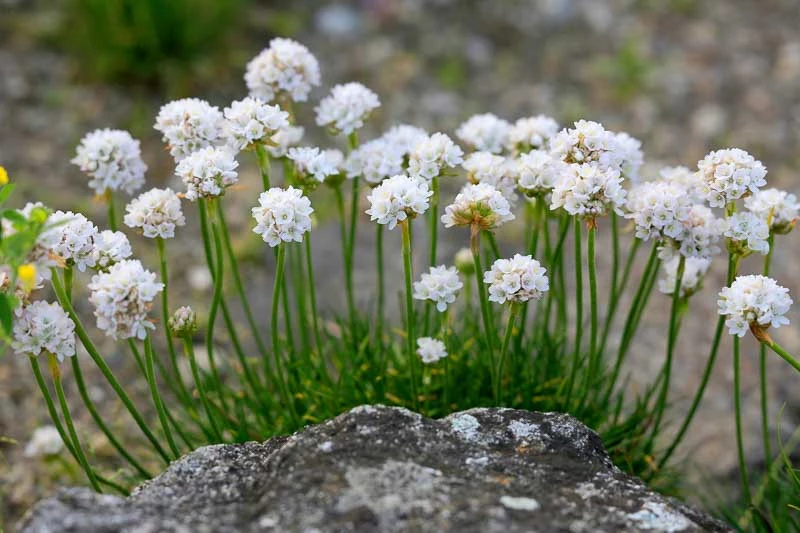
x=388 y=469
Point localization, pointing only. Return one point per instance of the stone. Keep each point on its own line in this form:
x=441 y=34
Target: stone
x=387 y=469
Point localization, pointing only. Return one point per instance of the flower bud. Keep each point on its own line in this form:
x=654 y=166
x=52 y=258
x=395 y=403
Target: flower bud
x=464 y=262
x=183 y=323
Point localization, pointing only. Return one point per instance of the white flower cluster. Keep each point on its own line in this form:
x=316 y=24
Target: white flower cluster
x=685 y=178
x=531 y=133
x=497 y=171
x=375 y=161
x=479 y=204
x=431 y=350
x=404 y=138
x=485 y=132
x=588 y=190
x=630 y=155
x=701 y=231
x=440 y=285
x=659 y=210
x=778 y=207
x=44 y=327
x=207 y=172
x=346 y=108
x=157 y=212
x=285 y=68
x=398 y=198
x=188 y=125
x=518 y=279
x=694 y=270
x=587 y=142
x=536 y=172
x=282 y=215
x=112 y=159
x=756 y=300
x=45 y=442
x=433 y=155
x=314 y=163
x=727 y=175
x=122 y=297
x=747 y=233
x=252 y=120
x=284 y=139
x=110 y=248
x=71 y=236
x=183 y=323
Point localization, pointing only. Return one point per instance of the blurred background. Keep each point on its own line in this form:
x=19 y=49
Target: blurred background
x=682 y=76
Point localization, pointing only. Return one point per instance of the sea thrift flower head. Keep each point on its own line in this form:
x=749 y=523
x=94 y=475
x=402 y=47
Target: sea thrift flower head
x=746 y=233
x=112 y=159
x=398 y=198
x=754 y=302
x=71 y=236
x=485 y=167
x=536 y=172
x=374 y=160
x=183 y=323
x=587 y=142
x=111 y=247
x=433 y=156
x=588 y=191
x=207 y=172
x=440 y=285
x=313 y=166
x=43 y=327
x=518 y=279
x=694 y=271
x=659 y=210
x=157 y=212
x=779 y=208
x=431 y=350
x=727 y=175
x=122 y=297
x=531 y=133
x=701 y=232
x=45 y=442
x=189 y=125
x=481 y=205
x=630 y=154
x=284 y=70
x=685 y=178
x=346 y=108
x=485 y=132
x=404 y=138
x=284 y=139
x=251 y=120
x=282 y=215
x=464 y=261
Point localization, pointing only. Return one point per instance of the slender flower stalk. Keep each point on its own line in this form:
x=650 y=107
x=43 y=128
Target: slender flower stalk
x=352 y=143
x=576 y=345
x=513 y=312
x=188 y=349
x=762 y=367
x=276 y=344
x=216 y=299
x=262 y=156
x=592 y=258
x=618 y=290
x=737 y=405
x=488 y=328
x=778 y=349
x=381 y=298
x=312 y=295
x=411 y=340
x=151 y=380
x=433 y=224
x=112 y=211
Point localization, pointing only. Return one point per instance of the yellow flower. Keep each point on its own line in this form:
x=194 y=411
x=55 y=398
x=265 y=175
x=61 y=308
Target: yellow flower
x=3 y=176
x=27 y=276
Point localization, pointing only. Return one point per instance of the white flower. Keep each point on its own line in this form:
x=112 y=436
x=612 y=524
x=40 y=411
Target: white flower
x=189 y=125
x=694 y=270
x=285 y=68
x=44 y=327
x=433 y=155
x=45 y=441
x=485 y=167
x=430 y=350
x=587 y=142
x=531 y=133
x=157 y=212
x=122 y=298
x=485 y=132
x=284 y=139
x=71 y=236
x=685 y=178
x=207 y=172
x=588 y=191
x=747 y=232
x=346 y=108
x=659 y=209
x=315 y=164
x=701 y=231
x=778 y=207
x=403 y=138
x=375 y=160
x=111 y=247
x=252 y=120
x=536 y=172
x=630 y=154
x=727 y=175
x=183 y=323
x=440 y=285
x=479 y=204
x=282 y=215
x=518 y=279
x=112 y=159
x=754 y=300
x=398 y=198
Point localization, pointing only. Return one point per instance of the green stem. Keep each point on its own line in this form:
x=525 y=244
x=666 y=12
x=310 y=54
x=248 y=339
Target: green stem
x=488 y=330
x=617 y=292
x=215 y=302
x=276 y=345
x=433 y=224
x=312 y=294
x=151 y=379
x=775 y=347
x=762 y=366
x=593 y=353
x=298 y=282
x=512 y=315
x=493 y=245
x=381 y=307
x=576 y=353
x=410 y=319
x=262 y=157
x=348 y=278
x=112 y=210
x=737 y=399
x=188 y=349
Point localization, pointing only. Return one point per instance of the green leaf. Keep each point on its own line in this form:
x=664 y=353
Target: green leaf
x=6 y=191
x=6 y=314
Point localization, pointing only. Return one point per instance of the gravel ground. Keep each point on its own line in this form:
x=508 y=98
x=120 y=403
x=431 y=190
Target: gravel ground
x=682 y=77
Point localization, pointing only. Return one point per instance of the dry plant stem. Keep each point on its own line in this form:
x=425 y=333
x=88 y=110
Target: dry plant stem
x=762 y=366
x=188 y=349
x=411 y=340
x=151 y=379
x=55 y=371
x=737 y=404
x=112 y=210
x=276 y=345
x=103 y=366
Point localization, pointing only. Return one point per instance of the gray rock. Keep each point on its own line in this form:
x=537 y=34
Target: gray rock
x=388 y=469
